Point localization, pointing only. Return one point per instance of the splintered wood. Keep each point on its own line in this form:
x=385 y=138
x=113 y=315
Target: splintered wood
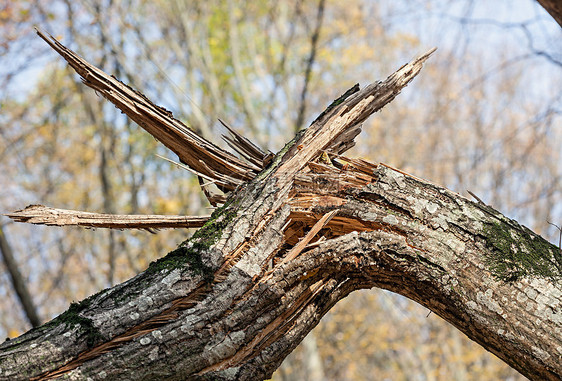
x=320 y=189
x=197 y=153
x=248 y=263
x=299 y=247
x=352 y=109
x=39 y=214
x=248 y=150
x=220 y=172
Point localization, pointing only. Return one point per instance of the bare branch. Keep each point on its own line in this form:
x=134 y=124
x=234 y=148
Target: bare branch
x=310 y=62
x=18 y=281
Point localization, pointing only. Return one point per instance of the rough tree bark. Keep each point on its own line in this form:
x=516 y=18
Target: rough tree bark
x=295 y=235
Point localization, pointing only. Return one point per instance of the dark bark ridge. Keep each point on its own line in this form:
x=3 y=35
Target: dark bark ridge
x=234 y=300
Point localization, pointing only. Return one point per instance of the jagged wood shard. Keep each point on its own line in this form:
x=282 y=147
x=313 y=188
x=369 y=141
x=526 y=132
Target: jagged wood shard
x=191 y=148
x=43 y=215
x=250 y=151
x=345 y=115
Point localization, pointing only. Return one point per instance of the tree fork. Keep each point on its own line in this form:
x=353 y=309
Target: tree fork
x=234 y=300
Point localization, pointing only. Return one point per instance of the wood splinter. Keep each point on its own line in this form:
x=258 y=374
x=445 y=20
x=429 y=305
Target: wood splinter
x=44 y=215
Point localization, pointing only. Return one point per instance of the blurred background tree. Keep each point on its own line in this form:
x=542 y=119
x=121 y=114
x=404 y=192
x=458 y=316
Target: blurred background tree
x=484 y=115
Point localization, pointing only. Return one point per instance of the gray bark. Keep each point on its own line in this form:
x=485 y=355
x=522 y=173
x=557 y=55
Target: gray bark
x=232 y=317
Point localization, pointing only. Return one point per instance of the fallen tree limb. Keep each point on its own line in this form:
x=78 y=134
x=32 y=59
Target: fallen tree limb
x=234 y=300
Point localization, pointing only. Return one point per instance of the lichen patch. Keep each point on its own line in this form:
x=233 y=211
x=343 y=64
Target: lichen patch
x=157 y=334
x=170 y=279
x=486 y=299
x=153 y=355
x=390 y=219
x=431 y=207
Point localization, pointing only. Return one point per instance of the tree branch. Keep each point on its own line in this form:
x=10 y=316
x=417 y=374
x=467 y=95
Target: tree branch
x=232 y=301
x=43 y=215
x=18 y=281
x=310 y=62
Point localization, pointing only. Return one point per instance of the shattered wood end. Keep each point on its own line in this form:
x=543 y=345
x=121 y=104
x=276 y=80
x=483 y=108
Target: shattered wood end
x=347 y=113
x=193 y=150
x=43 y=215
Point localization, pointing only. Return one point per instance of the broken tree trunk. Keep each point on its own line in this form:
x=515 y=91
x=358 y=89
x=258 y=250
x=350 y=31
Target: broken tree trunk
x=235 y=299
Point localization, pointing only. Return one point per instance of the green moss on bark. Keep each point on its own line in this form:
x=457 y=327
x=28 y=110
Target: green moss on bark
x=72 y=317
x=189 y=252
x=516 y=252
